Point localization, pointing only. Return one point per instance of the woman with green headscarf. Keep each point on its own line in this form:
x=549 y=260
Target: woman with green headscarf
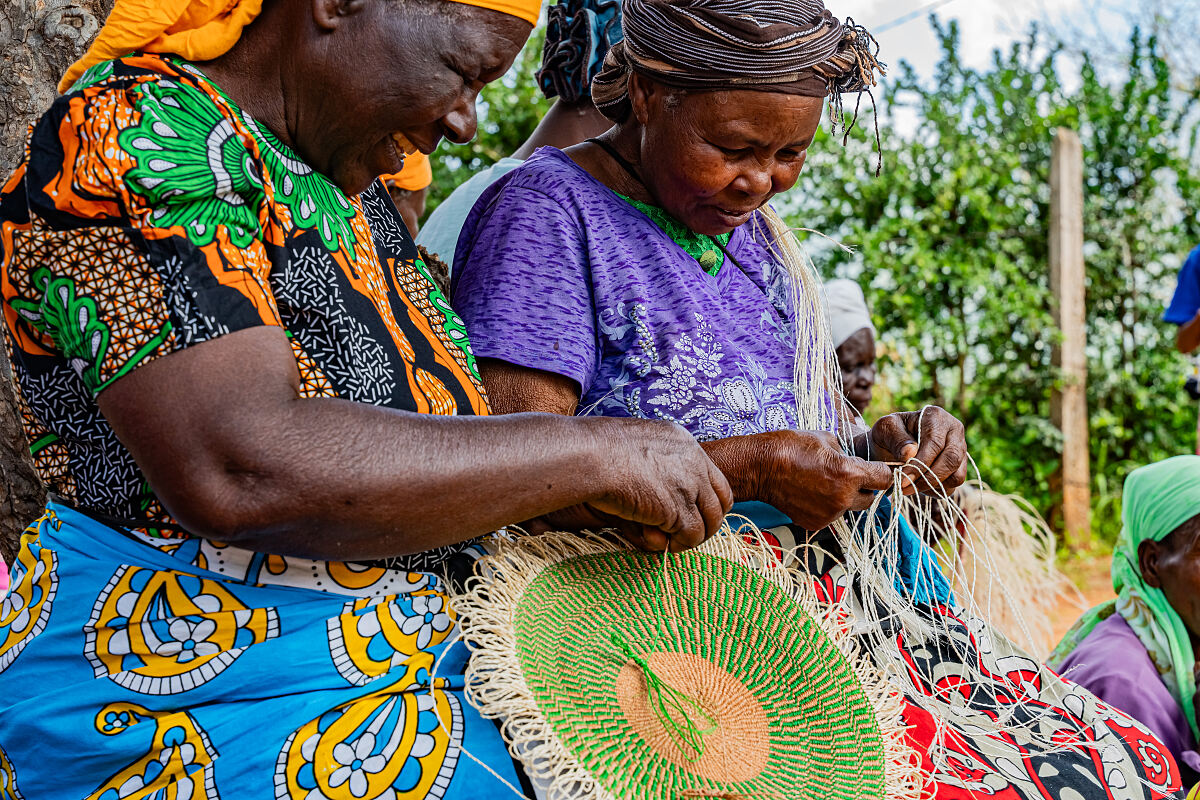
x=1137 y=653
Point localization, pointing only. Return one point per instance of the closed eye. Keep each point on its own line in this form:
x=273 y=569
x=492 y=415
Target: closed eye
x=792 y=153
x=469 y=77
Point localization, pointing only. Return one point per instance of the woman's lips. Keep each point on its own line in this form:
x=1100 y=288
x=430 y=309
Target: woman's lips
x=734 y=216
x=400 y=146
x=403 y=144
x=393 y=157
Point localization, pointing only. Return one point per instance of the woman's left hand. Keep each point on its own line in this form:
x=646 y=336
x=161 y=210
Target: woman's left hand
x=932 y=436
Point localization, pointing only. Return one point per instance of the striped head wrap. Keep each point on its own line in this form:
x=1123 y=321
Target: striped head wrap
x=790 y=46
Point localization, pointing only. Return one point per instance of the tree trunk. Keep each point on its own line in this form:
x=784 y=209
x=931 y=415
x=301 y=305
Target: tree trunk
x=38 y=40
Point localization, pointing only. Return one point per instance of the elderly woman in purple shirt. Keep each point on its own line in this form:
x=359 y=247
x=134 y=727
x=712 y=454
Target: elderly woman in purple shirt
x=635 y=275
x=630 y=275
x=1138 y=652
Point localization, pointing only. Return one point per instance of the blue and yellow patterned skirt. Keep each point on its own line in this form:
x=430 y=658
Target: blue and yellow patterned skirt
x=131 y=668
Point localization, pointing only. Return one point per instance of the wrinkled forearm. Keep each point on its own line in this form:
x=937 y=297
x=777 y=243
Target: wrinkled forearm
x=741 y=459
x=386 y=483
x=235 y=454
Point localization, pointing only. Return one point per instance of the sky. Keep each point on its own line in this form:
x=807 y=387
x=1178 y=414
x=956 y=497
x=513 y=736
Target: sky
x=985 y=25
x=904 y=33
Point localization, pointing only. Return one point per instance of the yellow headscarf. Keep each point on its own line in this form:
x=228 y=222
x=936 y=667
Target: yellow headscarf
x=527 y=10
x=416 y=175
x=195 y=29
x=200 y=30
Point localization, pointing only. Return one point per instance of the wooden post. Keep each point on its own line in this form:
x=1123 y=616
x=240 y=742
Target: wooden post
x=1067 y=282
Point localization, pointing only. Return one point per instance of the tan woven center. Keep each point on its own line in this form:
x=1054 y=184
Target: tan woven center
x=740 y=746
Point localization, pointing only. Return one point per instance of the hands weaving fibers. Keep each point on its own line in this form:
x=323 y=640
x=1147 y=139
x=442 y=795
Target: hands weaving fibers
x=269 y=439
x=644 y=274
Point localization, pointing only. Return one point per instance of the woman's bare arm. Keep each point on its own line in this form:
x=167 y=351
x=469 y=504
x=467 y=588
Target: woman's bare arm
x=803 y=473
x=235 y=454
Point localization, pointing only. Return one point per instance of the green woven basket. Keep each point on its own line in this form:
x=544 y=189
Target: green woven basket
x=770 y=708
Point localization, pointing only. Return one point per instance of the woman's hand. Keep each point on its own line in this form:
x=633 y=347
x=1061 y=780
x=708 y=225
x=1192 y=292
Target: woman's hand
x=662 y=482
x=942 y=448
x=661 y=487
x=804 y=474
x=236 y=454
x=667 y=493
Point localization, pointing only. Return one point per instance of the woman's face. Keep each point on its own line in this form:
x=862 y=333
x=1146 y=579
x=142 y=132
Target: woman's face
x=856 y=357
x=712 y=158
x=389 y=77
x=1173 y=565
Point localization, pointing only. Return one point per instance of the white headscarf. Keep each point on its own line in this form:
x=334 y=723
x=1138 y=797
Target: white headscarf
x=847 y=309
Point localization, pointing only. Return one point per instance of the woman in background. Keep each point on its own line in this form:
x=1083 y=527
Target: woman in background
x=1138 y=653
x=854 y=337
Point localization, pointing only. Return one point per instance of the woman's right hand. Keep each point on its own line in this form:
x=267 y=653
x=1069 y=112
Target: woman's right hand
x=804 y=474
x=660 y=480
x=657 y=487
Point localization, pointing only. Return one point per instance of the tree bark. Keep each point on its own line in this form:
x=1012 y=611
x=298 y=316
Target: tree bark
x=38 y=40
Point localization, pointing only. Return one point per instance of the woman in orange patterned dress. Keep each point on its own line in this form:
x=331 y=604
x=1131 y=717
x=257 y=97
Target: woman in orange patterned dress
x=261 y=424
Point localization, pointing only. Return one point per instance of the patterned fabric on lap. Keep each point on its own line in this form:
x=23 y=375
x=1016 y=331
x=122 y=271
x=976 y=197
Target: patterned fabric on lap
x=178 y=680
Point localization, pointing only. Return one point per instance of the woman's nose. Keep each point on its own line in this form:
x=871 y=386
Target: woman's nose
x=460 y=124
x=754 y=181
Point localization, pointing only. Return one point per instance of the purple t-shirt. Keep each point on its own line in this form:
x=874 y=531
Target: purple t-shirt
x=1112 y=663
x=556 y=272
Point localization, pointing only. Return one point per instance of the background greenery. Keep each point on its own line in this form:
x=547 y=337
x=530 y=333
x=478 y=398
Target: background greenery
x=952 y=243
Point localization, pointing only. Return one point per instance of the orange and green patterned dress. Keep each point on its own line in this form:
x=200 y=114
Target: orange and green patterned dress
x=150 y=214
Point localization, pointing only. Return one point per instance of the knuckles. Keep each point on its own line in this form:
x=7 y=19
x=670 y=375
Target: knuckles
x=829 y=441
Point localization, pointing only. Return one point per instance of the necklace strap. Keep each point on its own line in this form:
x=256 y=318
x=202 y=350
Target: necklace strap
x=620 y=159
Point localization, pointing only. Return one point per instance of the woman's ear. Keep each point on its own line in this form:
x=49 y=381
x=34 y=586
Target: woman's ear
x=644 y=94
x=1149 y=558
x=327 y=14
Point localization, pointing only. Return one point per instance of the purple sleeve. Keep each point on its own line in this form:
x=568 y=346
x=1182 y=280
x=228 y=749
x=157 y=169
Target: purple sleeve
x=523 y=286
x=1113 y=665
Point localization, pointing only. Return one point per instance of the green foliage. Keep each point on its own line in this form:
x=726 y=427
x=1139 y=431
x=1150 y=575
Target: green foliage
x=509 y=109
x=953 y=253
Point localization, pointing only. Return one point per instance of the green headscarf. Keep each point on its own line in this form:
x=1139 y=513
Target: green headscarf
x=1158 y=498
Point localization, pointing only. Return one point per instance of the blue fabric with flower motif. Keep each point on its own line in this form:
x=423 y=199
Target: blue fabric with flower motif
x=195 y=670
